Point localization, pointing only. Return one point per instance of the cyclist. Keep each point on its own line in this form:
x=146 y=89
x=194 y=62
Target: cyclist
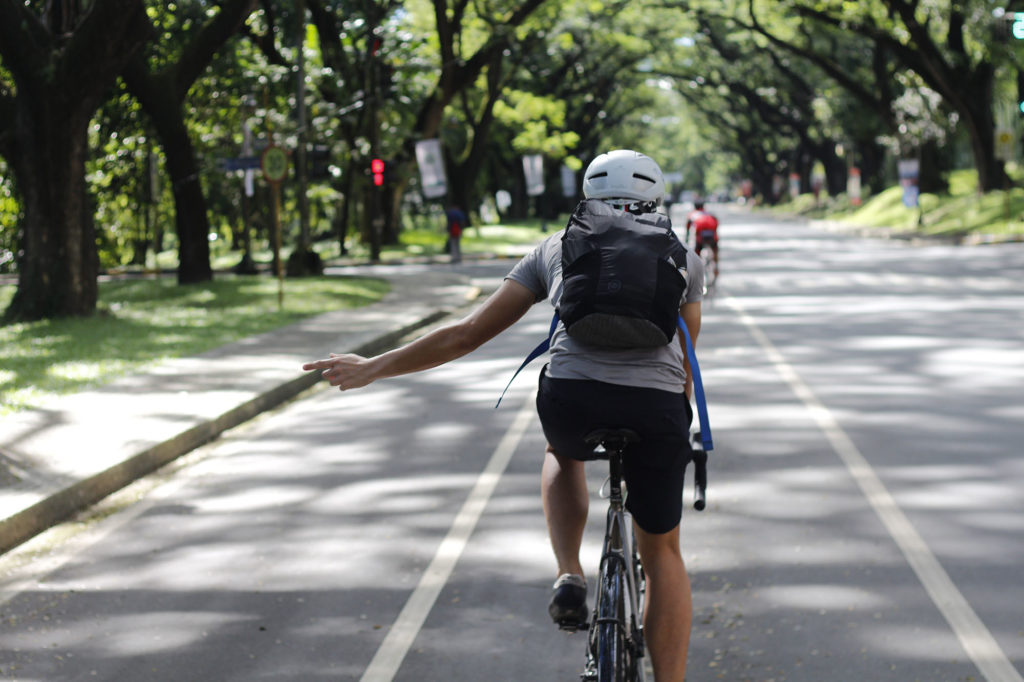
x=705 y=226
x=583 y=388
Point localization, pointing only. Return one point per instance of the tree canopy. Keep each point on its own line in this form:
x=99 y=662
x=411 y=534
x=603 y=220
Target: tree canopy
x=127 y=126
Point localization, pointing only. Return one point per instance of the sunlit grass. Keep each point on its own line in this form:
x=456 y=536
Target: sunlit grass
x=142 y=321
x=961 y=212
x=499 y=240
x=422 y=238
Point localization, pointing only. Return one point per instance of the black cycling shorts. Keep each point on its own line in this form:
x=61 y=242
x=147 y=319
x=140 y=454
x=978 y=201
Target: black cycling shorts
x=653 y=469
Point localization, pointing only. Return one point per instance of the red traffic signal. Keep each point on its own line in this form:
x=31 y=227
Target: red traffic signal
x=377 y=168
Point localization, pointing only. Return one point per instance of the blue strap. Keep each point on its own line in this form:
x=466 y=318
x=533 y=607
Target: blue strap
x=698 y=390
x=541 y=348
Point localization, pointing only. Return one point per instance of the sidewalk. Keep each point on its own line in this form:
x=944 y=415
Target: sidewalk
x=60 y=459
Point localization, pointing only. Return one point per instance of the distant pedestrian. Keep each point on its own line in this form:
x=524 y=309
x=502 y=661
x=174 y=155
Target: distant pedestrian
x=457 y=222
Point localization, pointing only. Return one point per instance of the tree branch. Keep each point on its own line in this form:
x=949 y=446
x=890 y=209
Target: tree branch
x=23 y=38
x=204 y=44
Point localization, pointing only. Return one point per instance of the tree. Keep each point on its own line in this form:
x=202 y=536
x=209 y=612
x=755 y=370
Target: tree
x=470 y=43
x=161 y=84
x=948 y=45
x=62 y=59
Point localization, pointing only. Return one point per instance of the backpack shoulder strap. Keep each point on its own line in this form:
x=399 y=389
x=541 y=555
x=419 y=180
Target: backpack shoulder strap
x=698 y=390
x=541 y=348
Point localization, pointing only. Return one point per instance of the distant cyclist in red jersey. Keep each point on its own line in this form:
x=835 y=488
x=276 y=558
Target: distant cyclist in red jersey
x=705 y=226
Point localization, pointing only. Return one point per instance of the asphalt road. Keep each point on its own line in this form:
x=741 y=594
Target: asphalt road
x=864 y=517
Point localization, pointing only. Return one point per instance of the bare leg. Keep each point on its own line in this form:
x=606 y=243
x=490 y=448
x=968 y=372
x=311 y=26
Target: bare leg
x=669 y=610
x=565 y=498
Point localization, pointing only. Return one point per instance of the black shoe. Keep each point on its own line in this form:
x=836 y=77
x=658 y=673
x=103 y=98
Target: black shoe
x=568 y=605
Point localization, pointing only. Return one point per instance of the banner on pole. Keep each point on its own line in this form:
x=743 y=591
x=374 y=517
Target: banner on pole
x=568 y=181
x=909 y=171
x=433 y=179
x=853 y=186
x=533 y=169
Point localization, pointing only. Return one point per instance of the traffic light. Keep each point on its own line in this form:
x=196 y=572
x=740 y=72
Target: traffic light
x=377 y=168
x=374 y=45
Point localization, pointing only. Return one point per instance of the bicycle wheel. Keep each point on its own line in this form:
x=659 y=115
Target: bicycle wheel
x=708 y=256
x=611 y=635
x=636 y=668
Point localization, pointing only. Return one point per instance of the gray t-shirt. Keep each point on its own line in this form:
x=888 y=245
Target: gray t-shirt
x=662 y=368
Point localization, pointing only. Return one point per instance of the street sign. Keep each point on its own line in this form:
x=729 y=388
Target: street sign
x=274 y=163
x=241 y=163
x=1005 y=143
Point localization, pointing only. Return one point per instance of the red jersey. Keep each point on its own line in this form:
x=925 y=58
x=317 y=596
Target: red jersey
x=702 y=222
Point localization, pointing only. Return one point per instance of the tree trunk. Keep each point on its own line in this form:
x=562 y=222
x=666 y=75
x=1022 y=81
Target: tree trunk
x=57 y=276
x=62 y=61
x=933 y=167
x=190 y=218
x=157 y=96
x=981 y=125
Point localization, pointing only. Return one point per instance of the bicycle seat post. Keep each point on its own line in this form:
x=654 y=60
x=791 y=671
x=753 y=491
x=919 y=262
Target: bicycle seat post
x=614 y=442
x=615 y=476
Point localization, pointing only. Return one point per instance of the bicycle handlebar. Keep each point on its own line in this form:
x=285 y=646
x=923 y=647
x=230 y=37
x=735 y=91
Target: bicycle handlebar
x=700 y=479
x=700 y=472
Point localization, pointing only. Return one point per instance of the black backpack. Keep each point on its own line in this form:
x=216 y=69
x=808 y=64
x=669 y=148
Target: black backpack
x=621 y=288
x=621 y=280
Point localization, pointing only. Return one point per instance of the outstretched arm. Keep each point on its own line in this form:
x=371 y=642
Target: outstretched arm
x=509 y=303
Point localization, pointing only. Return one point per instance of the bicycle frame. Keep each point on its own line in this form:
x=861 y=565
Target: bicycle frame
x=615 y=641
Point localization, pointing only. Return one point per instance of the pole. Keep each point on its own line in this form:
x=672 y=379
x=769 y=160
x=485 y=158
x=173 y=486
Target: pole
x=276 y=191
x=375 y=216
x=303 y=136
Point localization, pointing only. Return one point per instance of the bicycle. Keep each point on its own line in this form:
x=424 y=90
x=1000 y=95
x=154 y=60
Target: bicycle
x=615 y=640
x=615 y=637
x=707 y=254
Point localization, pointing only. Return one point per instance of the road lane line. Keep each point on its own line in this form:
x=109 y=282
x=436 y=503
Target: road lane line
x=393 y=649
x=975 y=638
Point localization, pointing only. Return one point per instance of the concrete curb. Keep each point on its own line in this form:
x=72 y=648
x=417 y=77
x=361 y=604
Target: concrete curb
x=68 y=502
x=65 y=503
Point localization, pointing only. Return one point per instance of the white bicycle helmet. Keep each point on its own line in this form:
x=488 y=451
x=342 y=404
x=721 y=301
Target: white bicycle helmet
x=624 y=178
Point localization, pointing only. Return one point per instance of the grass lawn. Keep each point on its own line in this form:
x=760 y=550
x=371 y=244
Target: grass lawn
x=145 y=320
x=507 y=239
x=959 y=213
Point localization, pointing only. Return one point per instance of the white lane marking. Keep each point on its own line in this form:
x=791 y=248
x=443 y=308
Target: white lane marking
x=975 y=638
x=393 y=649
